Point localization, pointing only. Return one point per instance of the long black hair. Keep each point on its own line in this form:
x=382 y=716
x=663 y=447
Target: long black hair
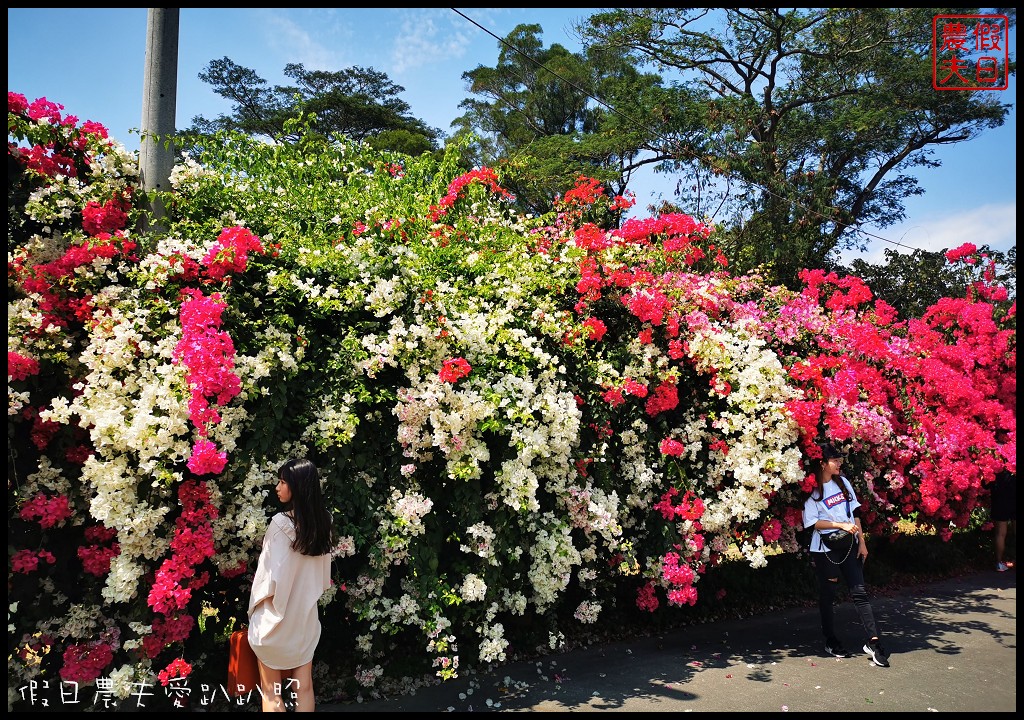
x=313 y=532
x=817 y=466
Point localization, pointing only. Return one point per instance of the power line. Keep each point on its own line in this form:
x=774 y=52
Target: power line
x=654 y=131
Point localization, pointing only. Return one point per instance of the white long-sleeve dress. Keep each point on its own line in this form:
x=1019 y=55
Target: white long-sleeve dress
x=284 y=624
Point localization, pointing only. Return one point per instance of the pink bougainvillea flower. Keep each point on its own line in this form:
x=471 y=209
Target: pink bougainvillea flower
x=206 y=460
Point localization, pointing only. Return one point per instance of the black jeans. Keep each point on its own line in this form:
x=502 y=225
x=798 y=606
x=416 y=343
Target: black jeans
x=828 y=581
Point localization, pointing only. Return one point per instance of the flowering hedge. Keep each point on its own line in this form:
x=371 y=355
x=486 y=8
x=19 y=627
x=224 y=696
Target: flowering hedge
x=518 y=418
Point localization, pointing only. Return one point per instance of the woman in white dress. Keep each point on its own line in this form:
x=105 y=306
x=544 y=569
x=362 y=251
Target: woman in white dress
x=293 y=572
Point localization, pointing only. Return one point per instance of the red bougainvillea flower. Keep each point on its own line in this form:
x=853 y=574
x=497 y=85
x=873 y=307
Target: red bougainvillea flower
x=106 y=218
x=230 y=254
x=671 y=447
x=85 y=662
x=176 y=670
x=596 y=329
x=96 y=558
x=646 y=598
x=48 y=511
x=454 y=369
x=962 y=252
x=771 y=531
x=484 y=176
x=27 y=561
x=20 y=367
x=665 y=397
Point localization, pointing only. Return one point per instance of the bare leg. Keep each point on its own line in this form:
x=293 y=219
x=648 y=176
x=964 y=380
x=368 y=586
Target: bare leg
x=1000 y=540
x=270 y=689
x=301 y=684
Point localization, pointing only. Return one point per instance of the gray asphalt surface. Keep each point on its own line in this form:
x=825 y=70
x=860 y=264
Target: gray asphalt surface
x=953 y=646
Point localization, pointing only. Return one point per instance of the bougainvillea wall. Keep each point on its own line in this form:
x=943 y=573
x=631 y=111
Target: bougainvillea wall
x=518 y=419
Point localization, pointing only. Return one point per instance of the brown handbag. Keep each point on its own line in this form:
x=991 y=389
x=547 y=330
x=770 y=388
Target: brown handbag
x=243 y=668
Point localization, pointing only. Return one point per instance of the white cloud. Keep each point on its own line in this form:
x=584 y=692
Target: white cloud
x=994 y=225
x=291 y=40
x=427 y=37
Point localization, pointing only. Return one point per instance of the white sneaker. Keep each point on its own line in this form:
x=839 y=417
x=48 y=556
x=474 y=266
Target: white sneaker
x=877 y=653
x=1001 y=567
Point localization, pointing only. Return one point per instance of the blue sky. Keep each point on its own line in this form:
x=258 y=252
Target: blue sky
x=91 y=61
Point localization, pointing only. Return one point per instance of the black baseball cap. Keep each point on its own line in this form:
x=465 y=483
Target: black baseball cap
x=828 y=451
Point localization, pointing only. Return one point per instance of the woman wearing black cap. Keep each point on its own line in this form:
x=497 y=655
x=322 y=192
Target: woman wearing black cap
x=832 y=507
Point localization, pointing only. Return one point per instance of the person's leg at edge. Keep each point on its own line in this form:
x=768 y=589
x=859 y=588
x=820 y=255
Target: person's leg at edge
x=270 y=689
x=828 y=581
x=1011 y=542
x=1000 y=536
x=301 y=684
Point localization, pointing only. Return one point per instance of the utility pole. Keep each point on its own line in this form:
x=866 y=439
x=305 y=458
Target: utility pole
x=159 y=100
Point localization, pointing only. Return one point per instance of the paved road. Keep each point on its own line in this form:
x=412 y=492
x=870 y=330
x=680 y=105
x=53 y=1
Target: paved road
x=953 y=645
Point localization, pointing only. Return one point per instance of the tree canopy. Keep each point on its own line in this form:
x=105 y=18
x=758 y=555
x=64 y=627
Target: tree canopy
x=551 y=115
x=791 y=131
x=359 y=103
x=913 y=282
x=811 y=120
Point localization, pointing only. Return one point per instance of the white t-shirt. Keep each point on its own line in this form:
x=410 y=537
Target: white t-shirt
x=832 y=506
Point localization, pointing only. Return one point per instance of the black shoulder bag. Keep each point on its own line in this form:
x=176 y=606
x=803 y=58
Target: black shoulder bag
x=839 y=541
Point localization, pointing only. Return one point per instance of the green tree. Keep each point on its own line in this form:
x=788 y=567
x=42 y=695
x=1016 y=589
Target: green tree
x=537 y=113
x=913 y=282
x=811 y=120
x=361 y=104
